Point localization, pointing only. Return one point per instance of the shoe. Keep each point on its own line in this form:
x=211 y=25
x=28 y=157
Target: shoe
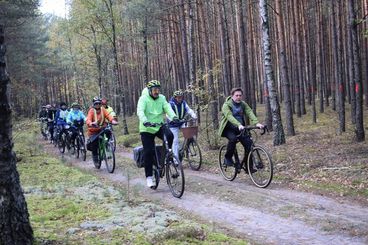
x=149 y=181
x=229 y=162
x=252 y=170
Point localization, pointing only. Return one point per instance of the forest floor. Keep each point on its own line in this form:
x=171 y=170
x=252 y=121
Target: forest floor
x=319 y=194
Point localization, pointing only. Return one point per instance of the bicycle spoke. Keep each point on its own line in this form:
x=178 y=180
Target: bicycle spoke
x=194 y=155
x=260 y=167
x=175 y=176
x=228 y=172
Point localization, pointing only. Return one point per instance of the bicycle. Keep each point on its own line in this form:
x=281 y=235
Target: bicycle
x=167 y=164
x=62 y=137
x=189 y=149
x=79 y=142
x=105 y=149
x=257 y=163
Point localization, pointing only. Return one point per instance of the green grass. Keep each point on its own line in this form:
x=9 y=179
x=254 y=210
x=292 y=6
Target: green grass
x=63 y=202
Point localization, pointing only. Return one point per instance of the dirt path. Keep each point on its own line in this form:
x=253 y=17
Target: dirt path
x=266 y=216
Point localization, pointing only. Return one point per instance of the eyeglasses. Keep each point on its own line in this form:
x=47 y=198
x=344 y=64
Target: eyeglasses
x=97 y=103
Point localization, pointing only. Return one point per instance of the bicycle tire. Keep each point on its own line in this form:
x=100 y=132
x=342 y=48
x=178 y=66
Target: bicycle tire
x=261 y=171
x=82 y=147
x=112 y=139
x=194 y=155
x=109 y=157
x=228 y=172
x=175 y=175
x=61 y=143
x=156 y=177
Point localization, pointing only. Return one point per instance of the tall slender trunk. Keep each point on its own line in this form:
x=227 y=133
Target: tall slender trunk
x=15 y=227
x=279 y=135
x=284 y=71
x=359 y=127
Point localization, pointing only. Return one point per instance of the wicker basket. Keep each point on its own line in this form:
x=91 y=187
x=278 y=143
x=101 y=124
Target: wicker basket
x=190 y=132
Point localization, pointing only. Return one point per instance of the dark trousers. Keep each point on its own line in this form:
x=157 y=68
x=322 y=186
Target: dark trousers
x=148 y=142
x=230 y=133
x=93 y=145
x=50 y=125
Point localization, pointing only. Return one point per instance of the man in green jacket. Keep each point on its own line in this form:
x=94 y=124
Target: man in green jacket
x=234 y=112
x=152 y=107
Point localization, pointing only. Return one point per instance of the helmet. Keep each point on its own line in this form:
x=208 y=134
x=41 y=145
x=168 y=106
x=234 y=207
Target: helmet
x=48 y=106
x=96 y=100
x=75 y=104
x=63 y=103
x=104 y=101
x=153 y=83
x=178 y=93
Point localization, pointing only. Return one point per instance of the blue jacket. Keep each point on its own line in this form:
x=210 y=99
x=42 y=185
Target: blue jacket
x=60 y=117
x=75 y=115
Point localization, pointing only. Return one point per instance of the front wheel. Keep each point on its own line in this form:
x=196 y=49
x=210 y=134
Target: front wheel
x=260 y=167
x=175 y=175
x=112 y=140
x=228 y=172
x=61 y=143
x=156 y=177
x=109 y=157
x=194 y=155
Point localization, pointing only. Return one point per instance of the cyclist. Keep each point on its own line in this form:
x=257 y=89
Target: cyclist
x=75 y=116
x=60 y=118
x=43 y=113
x=181 y=109
x=108 y=108
x=234 y=111
x=50 y=119
x=96 y=122
x=152 y=106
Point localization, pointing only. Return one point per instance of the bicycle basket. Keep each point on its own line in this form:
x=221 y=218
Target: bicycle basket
x=190 y=132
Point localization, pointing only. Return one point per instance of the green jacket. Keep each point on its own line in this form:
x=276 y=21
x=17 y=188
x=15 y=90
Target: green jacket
x=150 y=110
x=227 y=115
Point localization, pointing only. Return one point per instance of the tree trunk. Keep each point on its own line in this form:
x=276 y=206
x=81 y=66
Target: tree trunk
x=279 y=136
x=359 y=127
x=284 y=71
x=15 y=227
x=211 y=85
x=337 y=74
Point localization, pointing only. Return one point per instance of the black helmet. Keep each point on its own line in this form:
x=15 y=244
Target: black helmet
x=178 y=93
x=63 y=103
x=96 y=100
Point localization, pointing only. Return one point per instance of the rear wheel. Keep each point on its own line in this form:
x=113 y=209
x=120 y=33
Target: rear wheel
x=228 y=172
x=194 y=155
x=260 y=167
x=109 y=157
x=175 y=176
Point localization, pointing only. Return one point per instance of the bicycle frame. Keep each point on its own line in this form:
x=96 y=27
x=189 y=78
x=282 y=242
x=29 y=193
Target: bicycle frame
x=171 y=166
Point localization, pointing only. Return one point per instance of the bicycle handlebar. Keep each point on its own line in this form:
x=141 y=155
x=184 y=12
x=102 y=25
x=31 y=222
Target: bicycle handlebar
x=247 y=128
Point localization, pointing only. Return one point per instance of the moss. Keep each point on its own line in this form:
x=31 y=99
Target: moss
x=129 y=140
x=51 y=216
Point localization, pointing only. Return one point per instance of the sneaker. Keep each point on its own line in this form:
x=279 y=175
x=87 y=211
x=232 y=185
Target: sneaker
x=229 y=162
x=149 y=181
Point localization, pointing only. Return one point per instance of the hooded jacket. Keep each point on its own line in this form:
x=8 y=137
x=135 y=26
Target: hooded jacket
x=227 y=115
x=152 y=110
x=180 y=109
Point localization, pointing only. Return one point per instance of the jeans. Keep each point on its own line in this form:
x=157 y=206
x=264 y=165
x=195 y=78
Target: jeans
x=230 y=133
x=176 y=144
x=148 y=142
